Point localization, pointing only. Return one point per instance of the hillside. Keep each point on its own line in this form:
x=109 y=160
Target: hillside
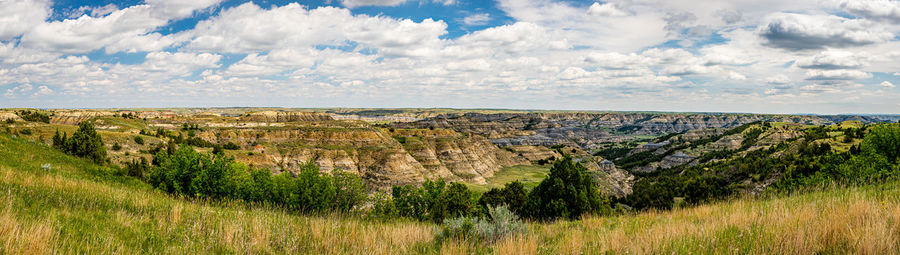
x=79 y=207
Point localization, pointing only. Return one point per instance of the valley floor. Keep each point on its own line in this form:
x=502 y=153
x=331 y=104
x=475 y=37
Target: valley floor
x=78 y=207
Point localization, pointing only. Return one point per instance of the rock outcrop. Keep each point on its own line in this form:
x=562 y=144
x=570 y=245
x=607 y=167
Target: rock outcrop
x=76 y=116
x=285 y=116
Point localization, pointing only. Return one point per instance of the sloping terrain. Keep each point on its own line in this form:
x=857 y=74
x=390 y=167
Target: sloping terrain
x=78 y=207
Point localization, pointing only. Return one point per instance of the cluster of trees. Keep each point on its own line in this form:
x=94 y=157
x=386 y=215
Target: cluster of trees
x=568 y=192
x=33 y=116
x=189 y=173
x=85 y=142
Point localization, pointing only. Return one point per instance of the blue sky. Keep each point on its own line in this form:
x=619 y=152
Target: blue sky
x=767 y=56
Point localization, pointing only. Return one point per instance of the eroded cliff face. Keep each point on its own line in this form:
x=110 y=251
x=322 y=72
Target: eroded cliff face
x=285 y=116
x=378 y=155
x=588 y=130
x=74 y=117
x=8 y=115
x=469 y=158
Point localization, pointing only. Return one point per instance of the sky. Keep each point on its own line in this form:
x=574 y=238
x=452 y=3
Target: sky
x=763 y=56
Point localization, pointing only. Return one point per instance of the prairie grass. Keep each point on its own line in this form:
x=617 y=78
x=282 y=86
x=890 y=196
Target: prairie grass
x=77 y=207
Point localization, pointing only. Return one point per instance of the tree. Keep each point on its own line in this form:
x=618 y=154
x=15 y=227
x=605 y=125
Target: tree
x=350 y=190
x=568 y=192
x=86 y=142
x=883 y=140
x=513 y=195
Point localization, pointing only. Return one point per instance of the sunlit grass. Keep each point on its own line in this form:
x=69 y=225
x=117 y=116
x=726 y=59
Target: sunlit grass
x=527 y=174
x=78 y=207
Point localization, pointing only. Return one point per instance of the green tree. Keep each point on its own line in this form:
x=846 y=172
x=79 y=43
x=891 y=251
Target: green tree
x=568 y=192
x=513 y=195
x=350 y=190
x=87 y=143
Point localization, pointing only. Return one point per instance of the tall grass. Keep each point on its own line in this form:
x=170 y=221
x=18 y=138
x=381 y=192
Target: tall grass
x=67 y=211
x=76 y=208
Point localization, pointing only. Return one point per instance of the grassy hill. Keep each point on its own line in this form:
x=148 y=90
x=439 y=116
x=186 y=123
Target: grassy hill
x=79 y=207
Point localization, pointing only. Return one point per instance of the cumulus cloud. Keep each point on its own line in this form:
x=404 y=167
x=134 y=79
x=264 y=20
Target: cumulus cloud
x=886 y=10
x=730 y=16
x=129 y=29
x=478 y=19
x=833 y=59
x=592 y=55
x=357 y=3
x=249 y=28
x=822 y=75
x=43 y=91
x=887 y=84
x=607 y=9
x=792 y=31
x=18 y=17
x=778 y=80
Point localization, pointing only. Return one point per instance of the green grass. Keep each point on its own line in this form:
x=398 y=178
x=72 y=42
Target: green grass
x=78 y=207
x=527 y=174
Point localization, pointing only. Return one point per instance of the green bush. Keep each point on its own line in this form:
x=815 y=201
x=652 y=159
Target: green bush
x=139 y=140
x=501 y=223
x=435 y=201
x=85 y=142
x=116 y=147
x=568 y=192
x=383 y=207
x=137 y=168
x=231 y=146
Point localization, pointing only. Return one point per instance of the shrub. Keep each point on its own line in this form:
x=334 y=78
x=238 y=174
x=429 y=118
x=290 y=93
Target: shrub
x=568 y=192
x=383 y=207
x=10 y=121
x=26 y=132
x=116 y=147
x=231 y=146
x=137 y=168
x=502 y=223
x=138 y=139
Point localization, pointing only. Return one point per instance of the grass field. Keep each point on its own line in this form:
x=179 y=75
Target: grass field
x=78 y=207
x=527 y=174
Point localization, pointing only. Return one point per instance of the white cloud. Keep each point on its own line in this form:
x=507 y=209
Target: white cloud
x=887 y=84
x=478 y=19
x=837 y=75
x=18 y=17
x=357 y=3
x=736 y=76
x=794 y=31
x=606 y=9
x=778 y=80
x=18 y=90
x=834 y=59
x=43 y=91
x=129 y=29
x=873 y=9
x=249 y=28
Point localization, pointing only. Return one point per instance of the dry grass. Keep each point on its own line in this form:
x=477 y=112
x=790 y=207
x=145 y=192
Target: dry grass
x=69 y=210
x=863 y=220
